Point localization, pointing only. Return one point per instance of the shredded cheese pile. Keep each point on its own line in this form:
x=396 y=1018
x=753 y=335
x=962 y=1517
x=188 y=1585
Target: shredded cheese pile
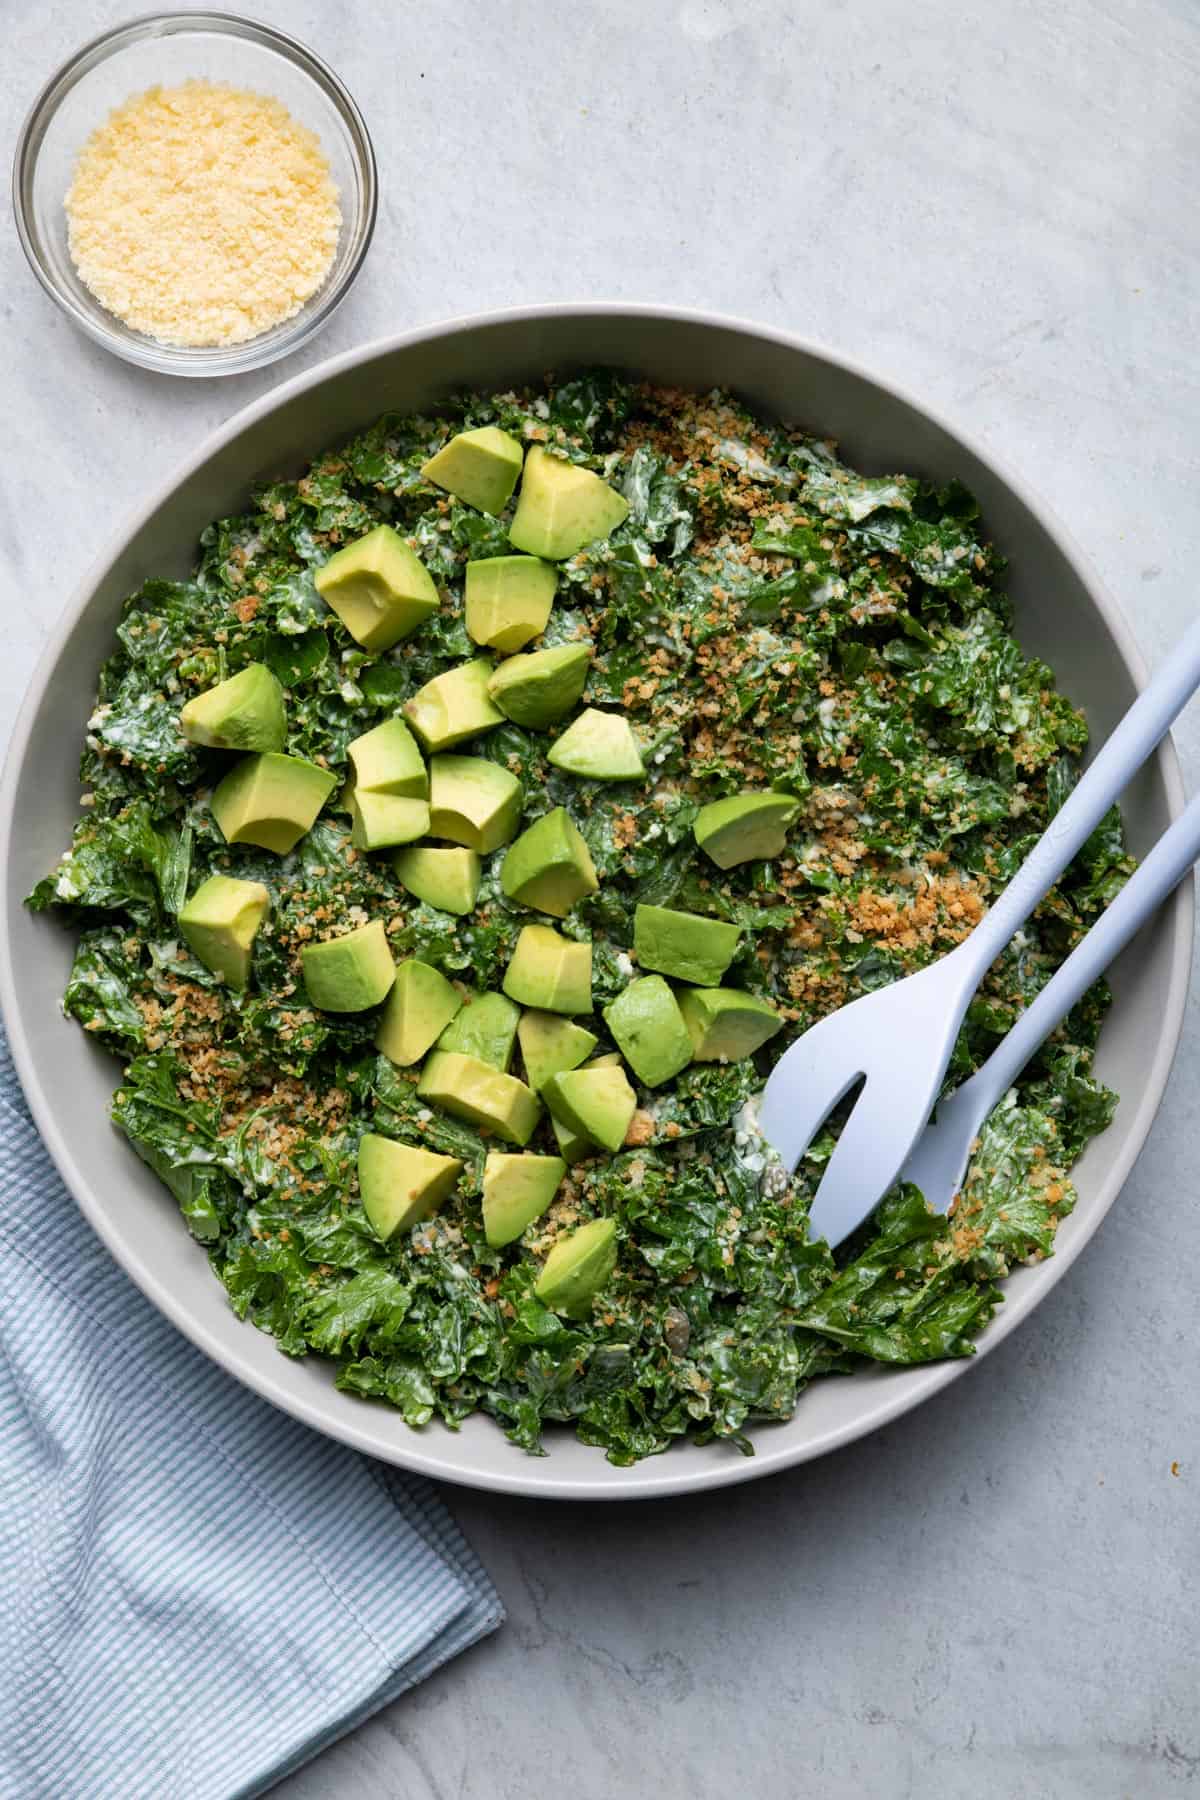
x=202 y=214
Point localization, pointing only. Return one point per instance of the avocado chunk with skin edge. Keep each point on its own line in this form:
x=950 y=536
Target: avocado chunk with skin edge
x=517 y=1190
x=220 y=922
x=472 y=1090
x=551 y=1044
x=649 y=1031
x=577 y=1268
x=745 y=827
x=270 y=800
x=480 y=467
x=446 y=878
x=688 y=946
x=473 y=802
x=598 y=746
x=595 y=1102
x=453 y=707
x=485 y=1027
x=549 y=867
x=378 y=588
x=541 y=686
x=401 y=1184
x=726 y=1024
x=508 y=600
x=550 y=972
x=562 y=507
x=245 y=712
x=419 y=1007
x=350 y=973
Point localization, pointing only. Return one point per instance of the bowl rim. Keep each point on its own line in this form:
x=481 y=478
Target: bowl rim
x=411 y=1453
x=206 y=361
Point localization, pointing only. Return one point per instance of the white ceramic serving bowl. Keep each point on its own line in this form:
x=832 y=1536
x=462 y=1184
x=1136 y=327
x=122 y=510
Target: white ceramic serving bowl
x=1063 y=614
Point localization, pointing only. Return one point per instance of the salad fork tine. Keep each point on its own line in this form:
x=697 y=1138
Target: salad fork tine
x=790 y=1117
x=898 y=1041
x=901 y=1037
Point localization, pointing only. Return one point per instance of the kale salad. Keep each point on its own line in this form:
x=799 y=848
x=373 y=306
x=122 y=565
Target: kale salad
x=457 y=857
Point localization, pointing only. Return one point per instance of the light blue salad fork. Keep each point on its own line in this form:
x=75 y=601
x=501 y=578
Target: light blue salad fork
x=897 y=1041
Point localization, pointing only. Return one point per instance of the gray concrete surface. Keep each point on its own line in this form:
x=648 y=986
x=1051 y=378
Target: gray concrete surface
x=993 y=200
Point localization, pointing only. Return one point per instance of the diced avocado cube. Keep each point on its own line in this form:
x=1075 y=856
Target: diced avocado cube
x=486 y=1028
x=447 y=879
x=517 y=1190
x=270 y=800
x=473 y=802
x=387 y=794
x=473 y=1090
x=551 y=1044
x=573 y=1145
x=549 y=867
x=683 y=944
x=536 y=689
x=387 y=761
x=596 y=1103
x=377 y=587
x=349 y=973
x=550 y=972
x=243 y=713
x=401 y=1184
x=724 y=1024
x=577 y=1268
x=420 y=1006
x=380 y=821
x=454 y=706
x=745 y=827
x=479 y=467
x=562 y=507
x=648 y=1029
x=508 y=600
x=599 y=746
x=220 y=922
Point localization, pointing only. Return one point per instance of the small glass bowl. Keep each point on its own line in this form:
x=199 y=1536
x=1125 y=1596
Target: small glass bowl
x=166 y=49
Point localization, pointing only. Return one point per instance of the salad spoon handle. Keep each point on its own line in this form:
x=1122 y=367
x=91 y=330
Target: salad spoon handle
x=1161 y=872
x=940 y=1155
x=1106 y=776
x=896 y=1041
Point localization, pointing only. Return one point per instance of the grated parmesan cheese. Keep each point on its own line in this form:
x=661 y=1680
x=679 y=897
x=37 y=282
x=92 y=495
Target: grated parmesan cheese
x=202 y=214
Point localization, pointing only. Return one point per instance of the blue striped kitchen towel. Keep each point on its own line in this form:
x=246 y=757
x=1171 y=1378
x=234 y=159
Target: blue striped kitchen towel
x=196 y=1592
